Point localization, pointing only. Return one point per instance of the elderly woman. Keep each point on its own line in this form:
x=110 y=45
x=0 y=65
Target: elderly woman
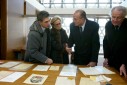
x=58 y=40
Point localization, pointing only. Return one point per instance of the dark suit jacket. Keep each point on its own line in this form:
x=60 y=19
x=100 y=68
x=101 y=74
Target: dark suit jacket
x=86 y=43
x=115 y=44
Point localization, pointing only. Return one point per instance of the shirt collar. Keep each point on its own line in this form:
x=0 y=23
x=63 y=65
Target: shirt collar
x=83 y=26
x=43 y=28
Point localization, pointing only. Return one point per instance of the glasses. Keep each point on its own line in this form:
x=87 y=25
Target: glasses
x=57 y=24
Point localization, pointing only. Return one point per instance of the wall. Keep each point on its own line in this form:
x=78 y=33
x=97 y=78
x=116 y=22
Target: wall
x=16 y=25
x=15 y=37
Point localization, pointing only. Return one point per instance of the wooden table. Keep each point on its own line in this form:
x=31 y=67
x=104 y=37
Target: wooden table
x=52 y=75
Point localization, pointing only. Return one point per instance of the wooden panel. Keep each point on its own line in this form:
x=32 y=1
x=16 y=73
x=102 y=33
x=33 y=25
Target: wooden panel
x=3 y=28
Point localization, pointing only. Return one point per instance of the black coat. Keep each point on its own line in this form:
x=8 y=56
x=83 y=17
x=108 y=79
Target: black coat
x=58 y=40
x=86 y=43
x=115 y=44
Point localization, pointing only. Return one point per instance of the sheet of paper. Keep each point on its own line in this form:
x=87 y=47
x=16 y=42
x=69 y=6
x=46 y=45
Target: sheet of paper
x=3 y=74
x=65 y=81
x=54 y=68
x=21 y=67
x=41 y=68
x=13 y=77
x=97 y=70
x=104 y=70
x=9 y=64
x=87 y=81
x=36 y=79
x=69 y=70
x=100 y=78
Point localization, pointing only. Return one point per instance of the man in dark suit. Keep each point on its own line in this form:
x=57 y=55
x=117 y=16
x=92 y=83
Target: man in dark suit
x=84 y=35
x=115 y=40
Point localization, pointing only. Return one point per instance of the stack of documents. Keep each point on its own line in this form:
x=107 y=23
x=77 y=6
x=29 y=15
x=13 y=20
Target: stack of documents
x=69 y=70
x=97 y=70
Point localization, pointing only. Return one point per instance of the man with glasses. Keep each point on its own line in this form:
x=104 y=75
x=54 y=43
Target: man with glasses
x=84 y=34
x=38 y=44
x=115 y=40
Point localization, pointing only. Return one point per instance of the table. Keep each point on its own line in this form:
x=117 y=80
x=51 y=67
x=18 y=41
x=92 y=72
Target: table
x=52 y=75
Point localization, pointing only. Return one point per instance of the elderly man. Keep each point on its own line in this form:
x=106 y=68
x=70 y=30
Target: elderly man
x=115 y=40
x=84 y=34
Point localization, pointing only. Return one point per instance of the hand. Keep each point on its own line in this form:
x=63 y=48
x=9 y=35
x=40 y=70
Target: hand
x=105 y=63
x=69 y=50
x=92 y=64
x=123 y=70
x=49 y=61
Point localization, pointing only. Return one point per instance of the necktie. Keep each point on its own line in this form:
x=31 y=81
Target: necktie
x=116 y=27
x=80 y=28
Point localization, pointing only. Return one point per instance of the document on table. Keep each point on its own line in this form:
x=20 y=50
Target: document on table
x=9 y=64
x=100 y=78
x=68 y=70
x=22 y=67
x=54 y=68
x=97 y=70
x=3 y=74
x=88 y=81
x=41 y=68
x=65 y=81
x=12 y=77
x=36 y=79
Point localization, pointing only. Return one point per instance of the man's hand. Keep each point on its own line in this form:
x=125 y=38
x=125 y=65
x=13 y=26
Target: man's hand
x=123 y=70
x=49 y=61
x=92 y=64
x=105 y=63
x=69 y=50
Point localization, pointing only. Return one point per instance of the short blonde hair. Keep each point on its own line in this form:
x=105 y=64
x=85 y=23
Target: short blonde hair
x=55 y=18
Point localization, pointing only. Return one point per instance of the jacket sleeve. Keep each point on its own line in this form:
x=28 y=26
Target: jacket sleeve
x=71 y=40
x=95 y=44
x=106 y=47
x=34 y=46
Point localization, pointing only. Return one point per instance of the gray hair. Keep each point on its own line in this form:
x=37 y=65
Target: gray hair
x=120 y=8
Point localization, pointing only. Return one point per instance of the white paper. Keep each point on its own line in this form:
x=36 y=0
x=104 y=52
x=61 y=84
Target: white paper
x=87 y=81
x=9 y=64
x=69 y=70
x=36 y=79
x=13 y=77
x=41 y=68
x=65 y=81
x=54 y=68
x=104 y=70
x=103 y=78
x=97 y=70
x=22 y=67
x=3 y=74
x=69 y=57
